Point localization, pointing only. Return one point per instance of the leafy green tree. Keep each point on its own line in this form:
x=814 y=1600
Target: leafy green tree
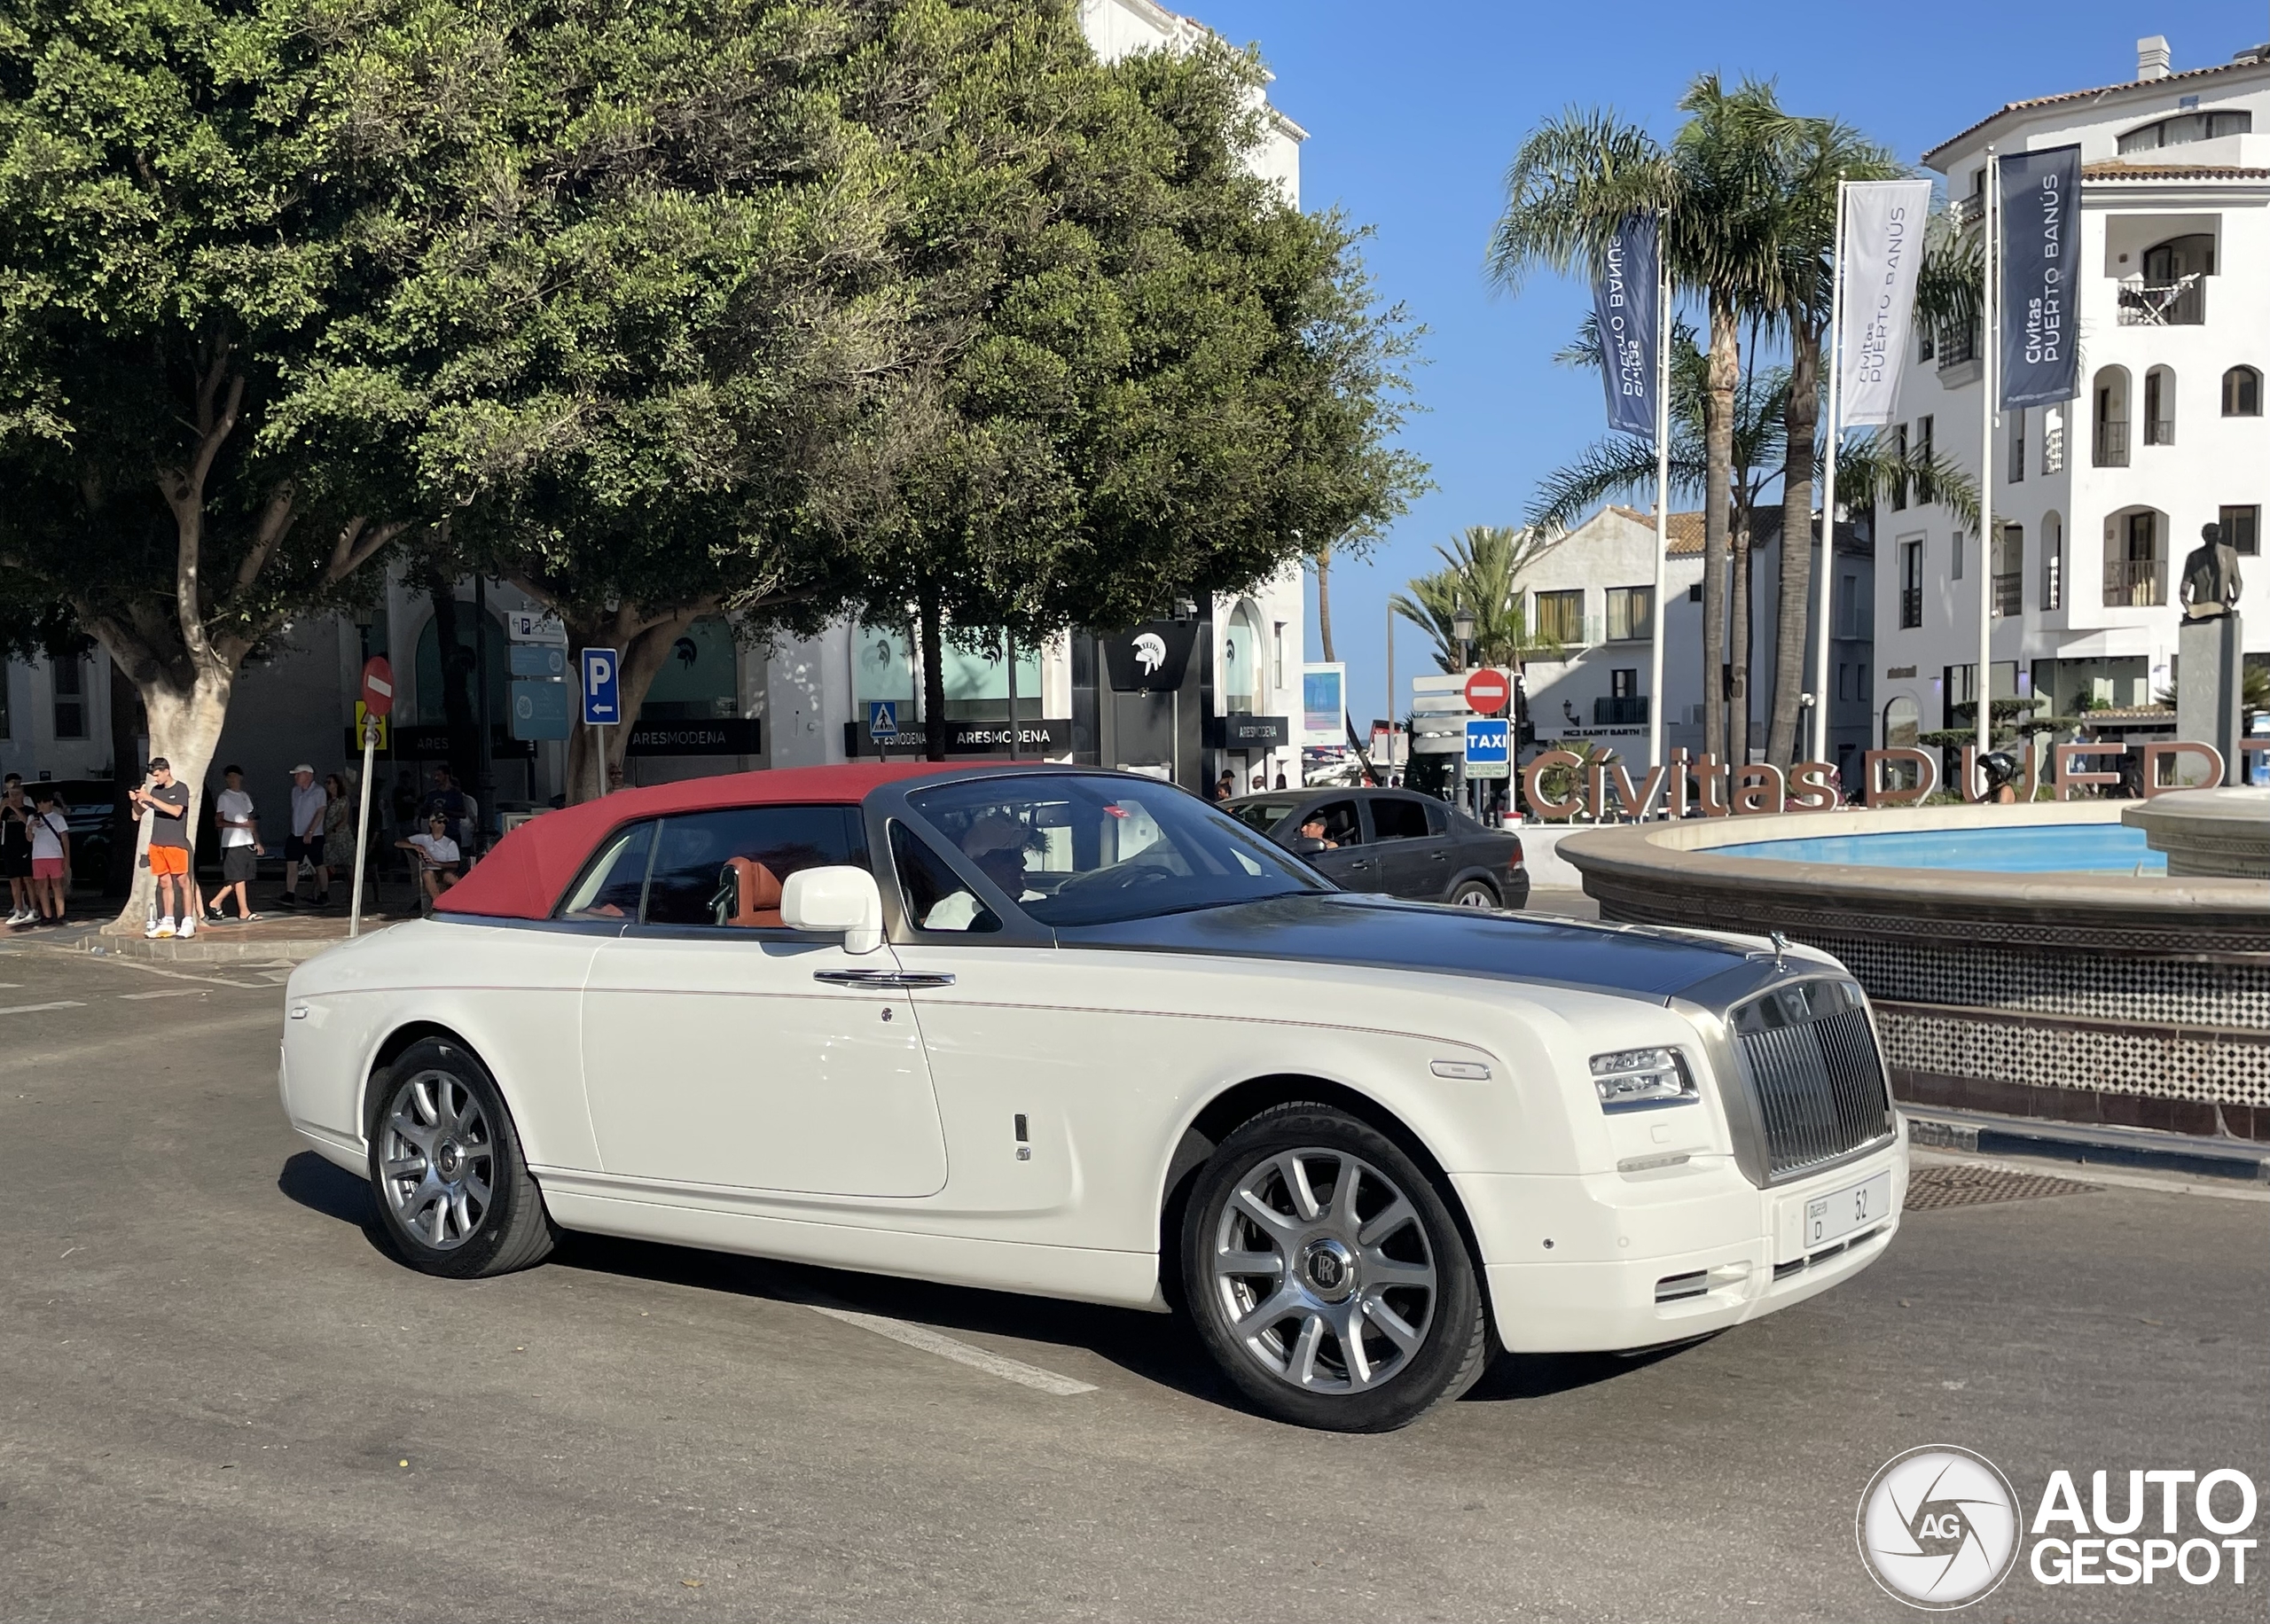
x=192 y=204
x=1140 y=373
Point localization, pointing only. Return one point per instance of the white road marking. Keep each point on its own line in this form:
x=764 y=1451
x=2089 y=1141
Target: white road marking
x=961 y=1353
x=170 y=992
x=33 y=1009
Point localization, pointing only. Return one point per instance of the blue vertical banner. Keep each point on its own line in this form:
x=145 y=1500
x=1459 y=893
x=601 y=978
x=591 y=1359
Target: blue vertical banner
x=1623 y=305
x=2040 y=201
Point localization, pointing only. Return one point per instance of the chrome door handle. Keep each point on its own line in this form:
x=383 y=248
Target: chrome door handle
x=882 y=977
x=1441 y=857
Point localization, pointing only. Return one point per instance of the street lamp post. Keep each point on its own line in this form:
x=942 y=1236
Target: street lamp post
x=1462 y=629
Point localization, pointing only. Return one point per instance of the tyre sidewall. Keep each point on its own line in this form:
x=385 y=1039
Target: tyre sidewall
x=1467 y=887
x=511 y=1189
x=1447 y=1361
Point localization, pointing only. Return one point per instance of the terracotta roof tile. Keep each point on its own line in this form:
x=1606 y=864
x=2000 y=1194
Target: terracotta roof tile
x=1959 y=136
x=1685 y=530
x=2119 y=170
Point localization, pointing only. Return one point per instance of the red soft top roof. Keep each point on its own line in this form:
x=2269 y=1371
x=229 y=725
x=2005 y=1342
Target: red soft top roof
x=524 y=877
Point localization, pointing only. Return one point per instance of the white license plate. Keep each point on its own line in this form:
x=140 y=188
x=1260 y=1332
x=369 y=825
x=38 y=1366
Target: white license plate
x=1841 y=1211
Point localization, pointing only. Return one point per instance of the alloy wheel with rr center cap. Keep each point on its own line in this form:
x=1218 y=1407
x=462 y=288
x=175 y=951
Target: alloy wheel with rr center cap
x=437 y=1160
x=1323 y=1271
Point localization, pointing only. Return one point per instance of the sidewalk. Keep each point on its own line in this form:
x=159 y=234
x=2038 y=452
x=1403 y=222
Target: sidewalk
x=274 y=937
x=2089 y=1144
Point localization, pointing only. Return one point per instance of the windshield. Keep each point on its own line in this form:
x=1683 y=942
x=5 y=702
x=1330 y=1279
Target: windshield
x=1072 y=850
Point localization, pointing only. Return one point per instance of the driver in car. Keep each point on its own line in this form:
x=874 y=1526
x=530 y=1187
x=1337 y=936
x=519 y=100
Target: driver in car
x=1312 y=837
x=996 y=843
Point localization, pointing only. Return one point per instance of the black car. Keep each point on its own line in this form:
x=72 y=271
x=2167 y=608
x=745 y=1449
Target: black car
x=1397 y=841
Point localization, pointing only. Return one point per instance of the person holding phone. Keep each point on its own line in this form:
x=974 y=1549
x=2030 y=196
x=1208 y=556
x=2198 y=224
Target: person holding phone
x=164 y=801
x=51 y=855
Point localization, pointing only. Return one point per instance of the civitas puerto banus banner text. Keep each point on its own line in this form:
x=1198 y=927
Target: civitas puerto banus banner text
x=2041 y=202
x=1624 y=307
x=1704 y=785
x=1883 y=250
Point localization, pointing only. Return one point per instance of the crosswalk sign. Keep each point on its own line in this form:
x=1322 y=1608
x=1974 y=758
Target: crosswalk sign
x=883 y=719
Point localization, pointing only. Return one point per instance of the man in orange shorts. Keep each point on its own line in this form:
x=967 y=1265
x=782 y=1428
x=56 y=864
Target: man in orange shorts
x=165 y=803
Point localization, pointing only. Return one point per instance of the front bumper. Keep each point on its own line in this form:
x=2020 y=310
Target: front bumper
x=1584 y=1263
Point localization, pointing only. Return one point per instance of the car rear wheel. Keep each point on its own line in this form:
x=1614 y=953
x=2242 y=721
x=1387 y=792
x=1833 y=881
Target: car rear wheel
x=1473 y=894
x=452 y=1186
x=1326 y=1276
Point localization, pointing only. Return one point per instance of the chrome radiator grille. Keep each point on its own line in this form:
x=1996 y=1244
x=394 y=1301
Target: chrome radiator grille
x=1811 y=1063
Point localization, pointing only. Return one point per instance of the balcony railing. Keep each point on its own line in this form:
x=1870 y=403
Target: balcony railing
x=1958 y=344
x=2133 y=584
x=2009 y=593
x=1911 y=607
x=1609 y=711
x=2111 y=448
x=2159 y=431
x=2180 y=302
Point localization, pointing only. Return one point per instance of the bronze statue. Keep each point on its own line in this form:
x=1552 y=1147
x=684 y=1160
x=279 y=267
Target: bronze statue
x=2210 y=580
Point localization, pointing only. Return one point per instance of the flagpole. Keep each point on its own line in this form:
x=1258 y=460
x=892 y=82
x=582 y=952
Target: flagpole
x=1821 y=691
x=1663 y=492
x=1982 y=687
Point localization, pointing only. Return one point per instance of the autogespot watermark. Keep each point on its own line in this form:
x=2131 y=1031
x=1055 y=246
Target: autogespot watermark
x=1940 y=1527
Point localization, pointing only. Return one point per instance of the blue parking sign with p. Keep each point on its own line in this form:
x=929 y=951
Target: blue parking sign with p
x=1485 y=740
x=602 y=674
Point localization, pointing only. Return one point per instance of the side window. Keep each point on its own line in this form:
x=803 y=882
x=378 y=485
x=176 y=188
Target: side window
x=1395 y=818
x=934 y=896
x=727 y=867
x=1438 y=816
x=612 y=884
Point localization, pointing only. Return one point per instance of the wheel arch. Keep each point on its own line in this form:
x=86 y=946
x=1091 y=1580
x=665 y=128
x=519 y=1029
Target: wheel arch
x=395 y=1045
x=1240 y=1103
x=1479 y=876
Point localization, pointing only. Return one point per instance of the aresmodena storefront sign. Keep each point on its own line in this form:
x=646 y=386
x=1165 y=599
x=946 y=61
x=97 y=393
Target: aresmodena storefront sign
x=1705 y=784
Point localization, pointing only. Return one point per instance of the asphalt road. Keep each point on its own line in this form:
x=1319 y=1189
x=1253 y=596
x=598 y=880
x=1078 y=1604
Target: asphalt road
x=219 y=1398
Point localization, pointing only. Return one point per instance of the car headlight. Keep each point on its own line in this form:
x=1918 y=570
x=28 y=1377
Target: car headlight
x=1637 y=1079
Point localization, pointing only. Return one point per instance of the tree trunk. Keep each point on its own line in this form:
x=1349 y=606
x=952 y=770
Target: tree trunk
x=1802 y=417
x=184 y=729
x=1738 y=642
x=1324 y=603
x=934 y=674
x=641 y=645
x=458 y=673
x=1717 y=505
x=125 y=766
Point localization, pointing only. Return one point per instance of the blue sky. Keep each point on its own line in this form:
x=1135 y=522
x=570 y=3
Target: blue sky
x=1413 y=109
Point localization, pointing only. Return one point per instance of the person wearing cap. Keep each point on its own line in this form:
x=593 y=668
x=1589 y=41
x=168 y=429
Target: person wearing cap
x=305 y=839
x=164 y=801
x=996 y=843
x=1312 y=837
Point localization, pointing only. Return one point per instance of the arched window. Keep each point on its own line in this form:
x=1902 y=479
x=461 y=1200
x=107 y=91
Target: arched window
x=2159 y=407
x=2053 y=562
x=1243 y=688
x=2242 y=393
x=2136 y=559
x=433 y=693
x=2109 y=447
x=1903 y=721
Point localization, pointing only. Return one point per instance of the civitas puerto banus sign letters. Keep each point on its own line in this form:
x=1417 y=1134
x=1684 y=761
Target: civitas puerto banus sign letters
x=1704 y=783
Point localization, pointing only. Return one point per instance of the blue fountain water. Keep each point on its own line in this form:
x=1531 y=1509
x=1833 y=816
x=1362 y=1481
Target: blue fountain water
x=2038 y=849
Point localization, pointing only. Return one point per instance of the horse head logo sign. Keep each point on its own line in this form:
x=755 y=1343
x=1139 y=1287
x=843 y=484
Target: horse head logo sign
x=1150 y=652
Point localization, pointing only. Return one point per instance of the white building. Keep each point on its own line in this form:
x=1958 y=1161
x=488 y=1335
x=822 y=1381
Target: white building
x=721 y=706
x=2098 y=501
x=1590 y=593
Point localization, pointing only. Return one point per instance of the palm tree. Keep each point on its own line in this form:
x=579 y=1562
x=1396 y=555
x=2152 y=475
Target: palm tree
x=1816 y=154
x=1575 y=178
x=1481 y=574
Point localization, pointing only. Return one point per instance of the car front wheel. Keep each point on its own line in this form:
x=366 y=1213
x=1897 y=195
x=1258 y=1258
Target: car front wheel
x=453 y=1188
x=1328 y=1278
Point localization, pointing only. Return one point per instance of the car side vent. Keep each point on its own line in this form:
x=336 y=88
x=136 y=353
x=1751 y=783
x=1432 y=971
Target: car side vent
x=1679 y=1288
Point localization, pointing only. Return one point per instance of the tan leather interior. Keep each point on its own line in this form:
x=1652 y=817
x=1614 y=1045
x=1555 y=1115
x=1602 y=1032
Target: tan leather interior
x=756 y=894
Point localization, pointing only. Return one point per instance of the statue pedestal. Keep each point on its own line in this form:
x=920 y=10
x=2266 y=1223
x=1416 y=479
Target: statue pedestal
x=2207 y=681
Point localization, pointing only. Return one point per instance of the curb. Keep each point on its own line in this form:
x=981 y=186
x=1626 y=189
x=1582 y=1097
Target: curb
x=2146 y=1148
x=207 y=947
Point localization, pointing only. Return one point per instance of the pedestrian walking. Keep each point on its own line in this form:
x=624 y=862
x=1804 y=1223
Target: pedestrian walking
x=240 y=846
x=16 y=851
x=51 y=855
x=437 y=857
x=164 y=801
x=304 y=844
x=339 y=825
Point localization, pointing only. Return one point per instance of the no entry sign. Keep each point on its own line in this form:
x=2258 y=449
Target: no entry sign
x=377 y=686
x=1487 y=692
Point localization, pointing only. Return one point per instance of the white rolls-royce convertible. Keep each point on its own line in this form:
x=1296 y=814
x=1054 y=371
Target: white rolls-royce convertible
x=1078 y=1033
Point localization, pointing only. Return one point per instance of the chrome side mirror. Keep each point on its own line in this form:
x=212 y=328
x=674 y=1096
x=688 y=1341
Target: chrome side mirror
x=836 y=899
